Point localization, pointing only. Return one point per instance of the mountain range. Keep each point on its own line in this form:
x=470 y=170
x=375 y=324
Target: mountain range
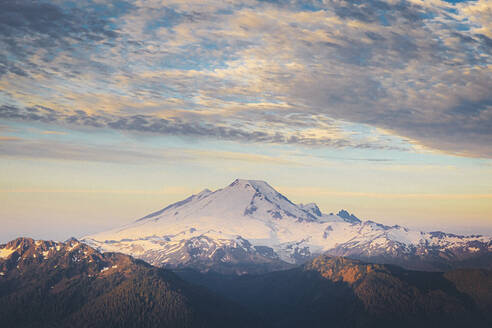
x=70 y=284
x=246 y=256
x=249 y=227
x=339 y=292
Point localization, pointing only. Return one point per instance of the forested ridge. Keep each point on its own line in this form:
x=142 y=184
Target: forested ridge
x=72 y=285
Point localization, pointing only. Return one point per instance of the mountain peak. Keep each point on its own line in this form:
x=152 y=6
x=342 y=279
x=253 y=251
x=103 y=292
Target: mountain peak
x=348 y=217
x=337 y=268
x=256 y=184
x=205 y=192
x=21 y=242
x=312 y=208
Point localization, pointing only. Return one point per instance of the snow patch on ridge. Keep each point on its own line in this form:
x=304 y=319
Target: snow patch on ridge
x=5 y=252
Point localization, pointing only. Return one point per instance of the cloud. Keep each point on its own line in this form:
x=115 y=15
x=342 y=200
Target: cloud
x=286 y=72
x=9 y=138
x=33 y=33
x=16 y=147
x=49 y=149
x=180 y=127
x=53 y=132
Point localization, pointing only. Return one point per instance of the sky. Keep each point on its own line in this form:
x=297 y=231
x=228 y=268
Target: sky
x=110 y=110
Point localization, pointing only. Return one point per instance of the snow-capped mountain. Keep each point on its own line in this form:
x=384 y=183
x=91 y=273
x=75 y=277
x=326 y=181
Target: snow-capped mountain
x=249 y=227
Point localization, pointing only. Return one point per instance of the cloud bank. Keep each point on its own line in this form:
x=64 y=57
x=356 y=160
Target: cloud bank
x=287 y=72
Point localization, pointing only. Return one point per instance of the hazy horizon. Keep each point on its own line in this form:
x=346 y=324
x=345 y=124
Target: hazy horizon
x=90 y=228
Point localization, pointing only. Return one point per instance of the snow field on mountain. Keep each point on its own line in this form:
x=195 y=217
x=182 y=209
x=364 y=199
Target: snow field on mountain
x=254 y=211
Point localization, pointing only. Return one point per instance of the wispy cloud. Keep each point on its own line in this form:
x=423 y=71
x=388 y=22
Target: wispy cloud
x=9 y=138
x=53 y=132
x=191 y=127
x=77 y=150
x=49 y=149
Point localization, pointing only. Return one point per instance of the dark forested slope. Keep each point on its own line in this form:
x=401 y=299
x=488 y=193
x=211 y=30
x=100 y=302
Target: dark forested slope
x=49 y=284
x=340 y=292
